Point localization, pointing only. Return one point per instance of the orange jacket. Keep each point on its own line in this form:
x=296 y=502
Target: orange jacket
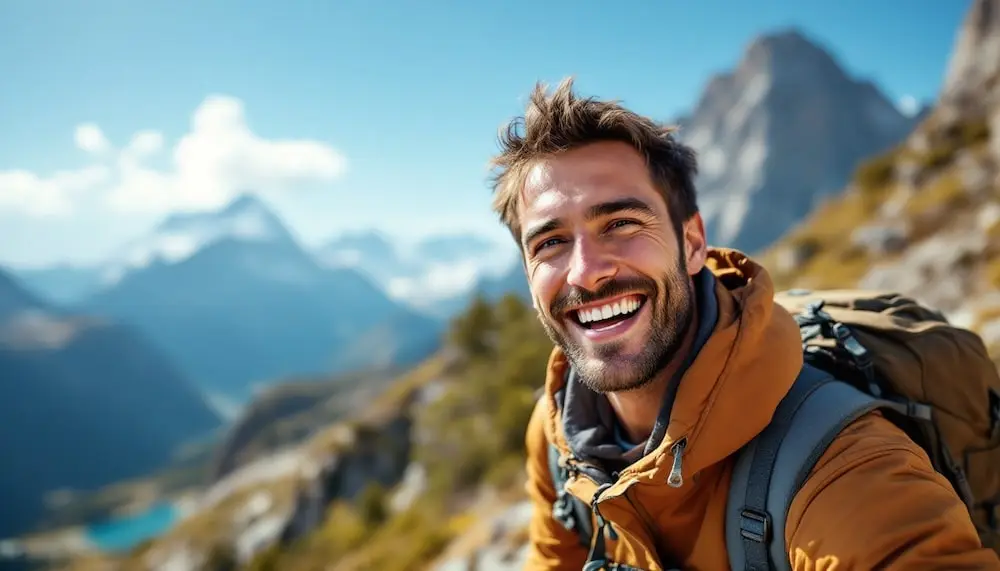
x=872 y=501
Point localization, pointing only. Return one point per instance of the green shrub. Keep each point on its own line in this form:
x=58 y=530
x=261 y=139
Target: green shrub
x=372 y=505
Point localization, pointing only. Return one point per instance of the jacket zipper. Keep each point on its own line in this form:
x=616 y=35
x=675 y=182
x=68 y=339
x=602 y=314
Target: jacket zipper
x=603 y=481
x=676 y=477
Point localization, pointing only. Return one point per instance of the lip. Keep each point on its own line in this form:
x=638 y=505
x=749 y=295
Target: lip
x=610 y=332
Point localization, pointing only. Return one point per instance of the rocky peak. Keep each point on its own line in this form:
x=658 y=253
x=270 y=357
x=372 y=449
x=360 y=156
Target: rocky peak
x=789 y=55
x=781 y=131
x=974 y=69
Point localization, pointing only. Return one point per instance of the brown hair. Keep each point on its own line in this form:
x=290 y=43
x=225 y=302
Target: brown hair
x=564 y=121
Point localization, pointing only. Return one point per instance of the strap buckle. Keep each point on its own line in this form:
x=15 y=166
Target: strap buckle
x=755 y=525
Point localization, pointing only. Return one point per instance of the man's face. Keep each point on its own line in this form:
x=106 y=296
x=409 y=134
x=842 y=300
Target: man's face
x=609 y=278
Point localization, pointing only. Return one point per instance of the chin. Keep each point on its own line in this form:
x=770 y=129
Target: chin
x=606 y=373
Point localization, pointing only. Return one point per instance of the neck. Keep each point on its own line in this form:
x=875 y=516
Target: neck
x=638 y=409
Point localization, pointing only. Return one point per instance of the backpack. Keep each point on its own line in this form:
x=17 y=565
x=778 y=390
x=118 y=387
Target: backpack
x=863 y=351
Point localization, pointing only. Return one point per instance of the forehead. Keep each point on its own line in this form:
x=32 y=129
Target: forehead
x=570 y=182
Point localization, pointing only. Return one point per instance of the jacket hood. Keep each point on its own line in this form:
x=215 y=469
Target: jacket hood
x=741 y=368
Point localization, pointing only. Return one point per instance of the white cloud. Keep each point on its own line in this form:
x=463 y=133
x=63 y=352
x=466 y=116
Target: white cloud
x=218 y=158
x=908 y=105
x=91 y=139
x=436 y=282
x=26 y=192
x=145 y=144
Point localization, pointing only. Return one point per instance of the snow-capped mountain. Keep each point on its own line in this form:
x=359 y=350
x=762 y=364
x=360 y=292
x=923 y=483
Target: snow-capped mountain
x=236 y=301
x=246 y=219
x=370 y=252
x=783 y=130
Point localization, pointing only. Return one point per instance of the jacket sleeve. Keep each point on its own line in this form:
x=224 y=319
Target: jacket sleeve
x=874 y=501
x=551 y=546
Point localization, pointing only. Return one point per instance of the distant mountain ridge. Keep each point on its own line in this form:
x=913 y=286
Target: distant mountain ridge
x=235 y=301
x=433 y=275
x=85 y=402
x=784 y=129
x=245 y=219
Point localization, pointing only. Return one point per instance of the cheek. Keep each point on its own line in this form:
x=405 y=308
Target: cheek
x=545 y=282
x=648 y=253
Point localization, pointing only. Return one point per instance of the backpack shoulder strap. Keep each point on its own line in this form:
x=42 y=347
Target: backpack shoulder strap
x=772 y=467
x=567 y=509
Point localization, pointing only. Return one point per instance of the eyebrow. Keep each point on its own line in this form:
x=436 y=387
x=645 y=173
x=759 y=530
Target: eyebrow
x=616 y=206
x=595 y=211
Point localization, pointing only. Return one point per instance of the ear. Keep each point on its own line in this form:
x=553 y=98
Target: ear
x=695 y=244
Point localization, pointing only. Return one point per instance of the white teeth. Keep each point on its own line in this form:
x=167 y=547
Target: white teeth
x=621 y=307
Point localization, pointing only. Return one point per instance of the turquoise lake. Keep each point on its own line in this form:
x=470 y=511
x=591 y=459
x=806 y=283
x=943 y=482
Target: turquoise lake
x=122 y=534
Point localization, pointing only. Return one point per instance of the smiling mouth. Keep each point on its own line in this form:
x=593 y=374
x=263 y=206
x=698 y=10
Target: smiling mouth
x=609 y=314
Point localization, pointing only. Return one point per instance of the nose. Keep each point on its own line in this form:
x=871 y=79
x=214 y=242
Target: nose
x=589 y=265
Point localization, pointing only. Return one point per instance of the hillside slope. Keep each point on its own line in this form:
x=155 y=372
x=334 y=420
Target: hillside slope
x=292 y=411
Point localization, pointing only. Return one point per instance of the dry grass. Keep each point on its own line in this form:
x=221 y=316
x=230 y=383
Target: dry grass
x=835 y=262
x=944 y=192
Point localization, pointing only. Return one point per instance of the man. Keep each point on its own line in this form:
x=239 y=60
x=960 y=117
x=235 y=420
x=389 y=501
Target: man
x=669 y=357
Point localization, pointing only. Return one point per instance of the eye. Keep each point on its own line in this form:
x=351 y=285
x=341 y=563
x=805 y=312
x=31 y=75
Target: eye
x=547 y=243
x=621 y=223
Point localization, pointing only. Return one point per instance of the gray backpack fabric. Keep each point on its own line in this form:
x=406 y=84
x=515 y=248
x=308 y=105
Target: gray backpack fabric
x=771 y=469
x=768 y=471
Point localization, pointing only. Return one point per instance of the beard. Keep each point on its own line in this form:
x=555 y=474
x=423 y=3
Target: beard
x=611 y=367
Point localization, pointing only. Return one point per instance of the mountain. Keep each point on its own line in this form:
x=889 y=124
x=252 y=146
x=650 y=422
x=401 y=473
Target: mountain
x=62 y=284
x=452 y=248
x=784 y=129
x=370 y=252
x=245 y=220
x=490 y=288
x=435 y=275
x=84 y=402
x=234 y=300
x=922 y=218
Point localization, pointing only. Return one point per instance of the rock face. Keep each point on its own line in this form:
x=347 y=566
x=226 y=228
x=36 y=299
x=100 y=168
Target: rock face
x=783 y=130
x=289 y=412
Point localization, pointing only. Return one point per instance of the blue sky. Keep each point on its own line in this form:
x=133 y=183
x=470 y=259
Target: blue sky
x=397 y=104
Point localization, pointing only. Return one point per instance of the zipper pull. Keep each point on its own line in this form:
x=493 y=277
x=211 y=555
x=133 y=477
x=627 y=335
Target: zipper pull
x=676 y=479
x=603 y=525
